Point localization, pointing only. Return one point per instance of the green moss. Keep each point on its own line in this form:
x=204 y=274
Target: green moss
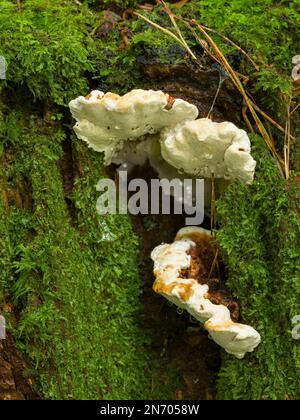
x=254 y=25
x=46 y=48
x=77 y=294
x=260 y=241
x=65 y=47
x=251 y=24
x=121 y=4
x=267 y=30
x=66 y=51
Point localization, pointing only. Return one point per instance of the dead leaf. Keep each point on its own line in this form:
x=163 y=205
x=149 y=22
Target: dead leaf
x=297 y=179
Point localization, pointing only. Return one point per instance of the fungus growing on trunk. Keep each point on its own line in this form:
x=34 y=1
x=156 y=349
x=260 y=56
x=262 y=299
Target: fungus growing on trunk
x=151 y=126
x=123 y=126
x=106 y=121
x=204 y=148
x=184 y=275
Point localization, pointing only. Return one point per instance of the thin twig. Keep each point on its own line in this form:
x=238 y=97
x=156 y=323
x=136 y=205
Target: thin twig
x=267 y=117
x=245 y=116
x=201 y=42
x=166 y=31
x=212 y=205
x=213 y=263
x=294 y=110
x=172 y=18
x=221 y=80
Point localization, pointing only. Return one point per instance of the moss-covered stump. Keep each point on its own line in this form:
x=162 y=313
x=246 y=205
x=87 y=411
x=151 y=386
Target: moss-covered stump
x=76 y=296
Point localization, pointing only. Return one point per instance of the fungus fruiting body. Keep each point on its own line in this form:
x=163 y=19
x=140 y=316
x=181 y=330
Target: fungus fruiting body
x=182 y=281
x=123 y=126
x=105 y=121
x=151 y=126
x=204 y=148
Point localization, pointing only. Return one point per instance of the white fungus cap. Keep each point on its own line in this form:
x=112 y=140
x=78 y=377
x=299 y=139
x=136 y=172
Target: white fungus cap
x=188 y=294
x=203 y=147
x=104 y=121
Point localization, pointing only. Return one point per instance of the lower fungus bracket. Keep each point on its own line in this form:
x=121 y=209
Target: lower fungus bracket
x=180 y=277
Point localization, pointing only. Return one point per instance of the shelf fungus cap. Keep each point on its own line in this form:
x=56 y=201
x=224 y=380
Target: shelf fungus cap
x=203 y=148
x=170 y=262
x=105 y=121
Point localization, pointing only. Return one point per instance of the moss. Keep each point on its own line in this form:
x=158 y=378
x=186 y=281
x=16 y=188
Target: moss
x=123 y=4
x=66 y=48
x=46 y=48
x=260 y=241
x=254 y=25
x=119 y=5
x=77 y=294
x=66 y=52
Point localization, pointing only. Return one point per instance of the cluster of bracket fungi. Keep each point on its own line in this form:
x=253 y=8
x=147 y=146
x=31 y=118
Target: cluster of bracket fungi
x=151 y=126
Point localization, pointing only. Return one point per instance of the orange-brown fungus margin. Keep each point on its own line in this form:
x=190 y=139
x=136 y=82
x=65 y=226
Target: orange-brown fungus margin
x=185 y=290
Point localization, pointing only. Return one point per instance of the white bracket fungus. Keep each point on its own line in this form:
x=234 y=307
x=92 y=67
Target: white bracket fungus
x=105 y=121
x=204 y=148
x=170 y=262
x=147 y=125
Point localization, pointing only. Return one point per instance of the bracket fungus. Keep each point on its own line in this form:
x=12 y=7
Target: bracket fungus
x=105 y=121
x=123 y=127
x=147 y=125
x=182 y=271
x=204 y=148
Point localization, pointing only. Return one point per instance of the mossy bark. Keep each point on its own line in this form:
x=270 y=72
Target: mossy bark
x=260 y=242
x=77 y=296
